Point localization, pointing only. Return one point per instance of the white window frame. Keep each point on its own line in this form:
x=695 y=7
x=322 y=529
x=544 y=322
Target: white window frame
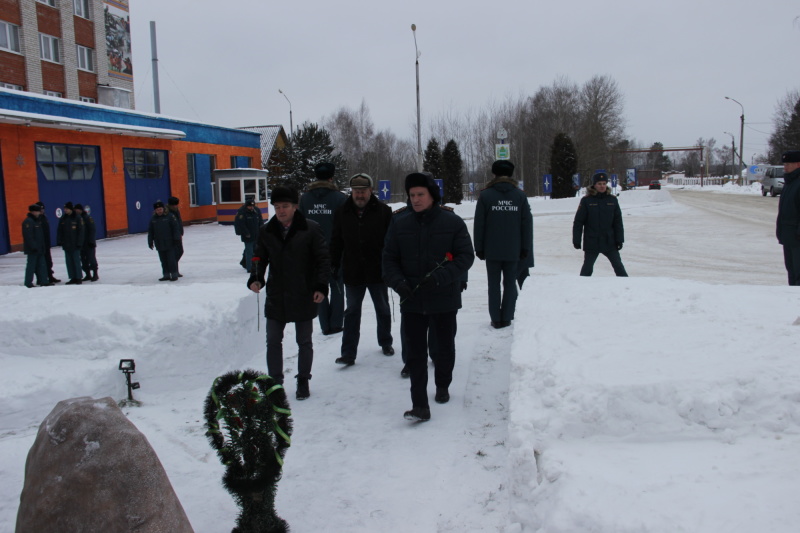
x=5 y=85
x=51 y=3
x=12 y=36
x=87 y=99
x=54 y=93
x=85 y=58
x=83 y=8
x=50 y=48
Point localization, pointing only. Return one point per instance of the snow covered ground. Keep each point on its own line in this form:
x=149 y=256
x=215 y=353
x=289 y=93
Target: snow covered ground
x=668 y=401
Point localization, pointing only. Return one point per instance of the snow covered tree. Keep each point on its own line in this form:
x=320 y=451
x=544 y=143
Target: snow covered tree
x=432 y=159
x=452 y=172
x=563 y=164
x=310 y=145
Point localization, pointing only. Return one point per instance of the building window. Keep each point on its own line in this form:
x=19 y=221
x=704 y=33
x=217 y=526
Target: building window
x=85 y=58
x=49 y=48
x=237 y=190
x=190 y=171
x=63 y=162
x=144 y=164
x=54 y=93
x=10 y=86
x=82 y=8
x=48 y=2
x=88 y=100
x=9 y=37
x=241 y=161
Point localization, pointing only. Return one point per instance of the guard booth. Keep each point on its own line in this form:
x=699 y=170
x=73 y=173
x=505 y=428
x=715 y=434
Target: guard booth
x=237 y=185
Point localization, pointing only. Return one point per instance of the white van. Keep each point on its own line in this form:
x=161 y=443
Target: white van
x=772 y=181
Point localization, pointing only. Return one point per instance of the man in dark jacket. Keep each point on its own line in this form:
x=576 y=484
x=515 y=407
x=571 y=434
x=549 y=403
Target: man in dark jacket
x=33 y=240
x=48 y=258
x=788 y=224
x=299 y=266
x=175 y=210
x=359 y=229
x=88 y=255
x=165 y=234
x=503 y=238
x=599 y=220
x=246 y=225
x=318 y=204
x=70 y=236
x=426 y=254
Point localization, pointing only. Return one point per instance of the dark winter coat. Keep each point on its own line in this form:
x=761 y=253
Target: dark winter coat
x=599 y=219
x=503 y=223
x=788 y=224
x=299 y=265
x=416 y=244
x=90 y=231
x=46 y=225
x=163 y=232
x=247 y=223
x=357 y=241
x=174 y=211
x=70 y=233
x=319 y=203
x=33 y=235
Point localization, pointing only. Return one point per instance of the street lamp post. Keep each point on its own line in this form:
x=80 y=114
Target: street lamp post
x=419 y=125
x=741 y=137
x=291 y=126
x=733 y=148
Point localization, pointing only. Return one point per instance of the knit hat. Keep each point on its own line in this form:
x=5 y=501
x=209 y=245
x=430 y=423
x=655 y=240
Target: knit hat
x=78 y=207
x=172 y=200
x=423 y=179
x=361 y=181
x=324 y=170
x=284 y=194
x=599 y=176
x=68 y=205
x=792 y=156
x=35 y=207
x=503 y=167
x=158 y=204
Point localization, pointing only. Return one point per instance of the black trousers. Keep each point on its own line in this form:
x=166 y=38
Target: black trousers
x=616 y=263
x=443 y=327
x=791 y=258
x=168 y=264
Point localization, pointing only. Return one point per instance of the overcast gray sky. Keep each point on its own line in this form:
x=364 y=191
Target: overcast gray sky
x=223 y=63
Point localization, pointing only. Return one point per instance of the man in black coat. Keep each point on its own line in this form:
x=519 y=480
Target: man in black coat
x=69 y=236
x=427 y=252
x=359 y=230
x=33 y=242
x=788 y=224
x=503 y=230
x=174 y=209
x=246 y=224
x=299 y=266
x=599 y=221
x=319 y=203
x=88 y=251
x=164 y=234
x=48 y=258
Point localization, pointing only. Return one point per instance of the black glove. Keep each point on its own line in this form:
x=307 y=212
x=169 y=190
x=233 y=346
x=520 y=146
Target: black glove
x=523 y=254
x=463 y=286
x=427 y=283
x=404 y=291
x=481 y=256
x=619 y=246
x=576 y=245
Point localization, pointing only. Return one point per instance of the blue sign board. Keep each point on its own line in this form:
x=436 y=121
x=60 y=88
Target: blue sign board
x=631 y=177
x=440 y=183
x=384 y=190
x=613 y=181
x=547 y=182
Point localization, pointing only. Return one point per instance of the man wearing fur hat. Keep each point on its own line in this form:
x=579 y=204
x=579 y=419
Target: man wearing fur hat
x=69 y=236
x=788 y=224
x=359 y=229
x=427 y=252
x=319 y=203
x=164 y=234
x=299 y=267
x=503 y=238
x=88 y=250
x=34 y=241
x=48 y=258
x=599 y=221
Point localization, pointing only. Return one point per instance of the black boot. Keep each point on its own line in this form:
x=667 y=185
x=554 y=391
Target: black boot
x=87 y=277
x=95 y=277
x=302 y=389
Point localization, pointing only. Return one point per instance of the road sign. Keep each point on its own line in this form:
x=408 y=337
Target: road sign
x=631 y=177
x=613 y=181
x=440 y=183
x=384 y=190
x=502 y=151
x=502 y=134
x=547 y=182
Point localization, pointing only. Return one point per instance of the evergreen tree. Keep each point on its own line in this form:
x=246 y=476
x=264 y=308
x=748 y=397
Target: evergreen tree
x=452 y=172
x=563 y=164
x=792 y=132
x=432 y=159
x=658 y=160
x=310 y=145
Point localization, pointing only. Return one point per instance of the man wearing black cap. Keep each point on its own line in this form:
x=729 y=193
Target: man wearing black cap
x=299 y=266
x=599 y=221
x=248 y=221
x=319 y=203
x=164 y=234
x=70 y=236
x=503 y=230
x=33 y=240
x=174 y=209
x=88 y=250
x=48 y=258
x=788 y=224
x=427 y=252
x=359 y=229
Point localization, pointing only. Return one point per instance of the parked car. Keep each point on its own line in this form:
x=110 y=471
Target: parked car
x=655 y=184
x=772 y=182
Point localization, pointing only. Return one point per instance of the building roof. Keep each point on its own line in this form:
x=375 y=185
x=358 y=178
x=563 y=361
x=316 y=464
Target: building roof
x=269 y=137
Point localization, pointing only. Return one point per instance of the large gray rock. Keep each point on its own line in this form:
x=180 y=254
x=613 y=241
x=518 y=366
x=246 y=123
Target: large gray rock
x=91 y=470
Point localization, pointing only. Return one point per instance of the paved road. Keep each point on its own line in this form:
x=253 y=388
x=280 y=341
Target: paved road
x=750 y=208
